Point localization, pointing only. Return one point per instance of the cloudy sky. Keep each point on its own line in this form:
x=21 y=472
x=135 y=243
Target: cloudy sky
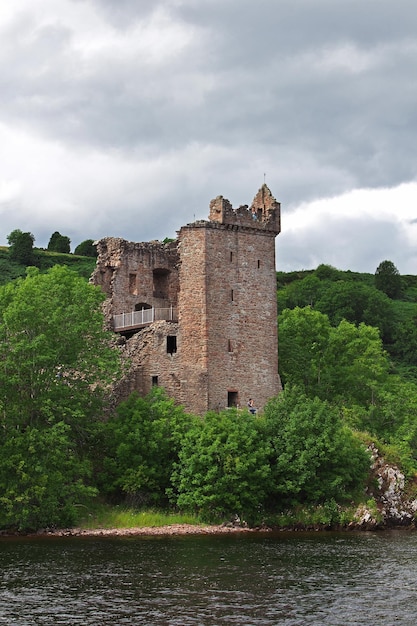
x=126 y=117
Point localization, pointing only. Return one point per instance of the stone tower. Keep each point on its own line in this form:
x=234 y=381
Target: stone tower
x=198 y=316
x=227 y=305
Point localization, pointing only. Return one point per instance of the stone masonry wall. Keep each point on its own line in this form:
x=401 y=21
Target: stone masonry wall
x=150 y=362
x=228 y=319
x=192 y=317
x=220 y=274
x=132 y=274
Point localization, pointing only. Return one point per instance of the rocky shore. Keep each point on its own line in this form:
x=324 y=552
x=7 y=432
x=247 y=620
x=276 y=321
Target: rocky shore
x=174 y=529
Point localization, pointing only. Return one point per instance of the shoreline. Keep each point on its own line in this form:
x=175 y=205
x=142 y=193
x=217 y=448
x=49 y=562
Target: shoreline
x=168 y=530
x=172 y=530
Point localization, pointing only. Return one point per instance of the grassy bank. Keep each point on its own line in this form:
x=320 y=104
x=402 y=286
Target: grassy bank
x=327 y=515
x=107 y=516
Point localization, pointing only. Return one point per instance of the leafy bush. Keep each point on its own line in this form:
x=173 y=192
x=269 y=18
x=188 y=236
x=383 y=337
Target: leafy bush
x=223 y=467
x=314 y=456
x=143 y=442
x=41 y=478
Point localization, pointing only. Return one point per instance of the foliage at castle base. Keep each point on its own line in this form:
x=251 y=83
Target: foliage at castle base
x=141 y=443
x=232 y=462
x=307 y=448
x=224 y=467
x=55 y=363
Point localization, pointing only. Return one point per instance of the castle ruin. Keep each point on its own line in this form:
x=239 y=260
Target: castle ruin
x=198 y=315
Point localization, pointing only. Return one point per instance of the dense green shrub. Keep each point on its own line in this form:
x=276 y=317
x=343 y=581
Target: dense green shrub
x=223 y=467
x=143 y=440
x=315 y=457
x=41 y=478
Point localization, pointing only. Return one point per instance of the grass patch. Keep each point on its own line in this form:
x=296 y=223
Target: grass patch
x=107 y=516
x=328 y=514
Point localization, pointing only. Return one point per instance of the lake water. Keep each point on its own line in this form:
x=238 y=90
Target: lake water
x=291 y=579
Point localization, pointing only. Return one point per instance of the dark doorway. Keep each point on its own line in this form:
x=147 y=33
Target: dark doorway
x=171 y=344
x=232 y=399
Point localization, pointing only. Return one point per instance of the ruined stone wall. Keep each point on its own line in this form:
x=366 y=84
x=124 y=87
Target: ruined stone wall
x=132 y=274
x=220 y=274
x=150 y=362
x=242 y=317
x=192 y=305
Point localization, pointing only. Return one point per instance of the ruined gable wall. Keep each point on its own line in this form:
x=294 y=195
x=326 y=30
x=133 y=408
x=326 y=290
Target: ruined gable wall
x=132 y=273
x=263 y=214
x=146 y=353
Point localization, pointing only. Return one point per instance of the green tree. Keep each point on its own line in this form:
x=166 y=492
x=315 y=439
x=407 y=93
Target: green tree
x=86 y=248
x=21 y=247
x=41 y=478
x=303 y=340
x=388 y=279
x=223 y=466
x=314 y=456
x=327 y=272
x=405 y=345
x=59 y=243
x=345 y=364
x=356 y=303
x=143 y=442
x=356 y=364
x=56 y=362
x=300 y=293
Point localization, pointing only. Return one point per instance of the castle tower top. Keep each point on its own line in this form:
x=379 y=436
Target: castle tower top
x=263 y=214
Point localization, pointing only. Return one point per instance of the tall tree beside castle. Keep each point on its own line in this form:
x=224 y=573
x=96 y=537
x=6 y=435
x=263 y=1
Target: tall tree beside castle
x=56 y=361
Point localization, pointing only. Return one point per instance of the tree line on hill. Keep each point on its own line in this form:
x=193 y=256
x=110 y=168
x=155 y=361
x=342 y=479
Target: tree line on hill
x=63 y=443
x=386 y=301
x=21 y=246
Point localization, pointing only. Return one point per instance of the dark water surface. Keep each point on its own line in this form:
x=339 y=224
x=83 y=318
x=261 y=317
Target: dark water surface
x=292 y=579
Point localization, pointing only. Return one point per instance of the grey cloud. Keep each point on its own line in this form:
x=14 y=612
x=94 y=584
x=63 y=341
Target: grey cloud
x=355 y=244
x=319 y=95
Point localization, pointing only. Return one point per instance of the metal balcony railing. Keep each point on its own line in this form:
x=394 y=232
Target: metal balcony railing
x=136 y=319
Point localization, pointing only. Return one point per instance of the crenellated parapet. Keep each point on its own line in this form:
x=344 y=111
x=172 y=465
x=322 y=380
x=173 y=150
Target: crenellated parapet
x=263 y=214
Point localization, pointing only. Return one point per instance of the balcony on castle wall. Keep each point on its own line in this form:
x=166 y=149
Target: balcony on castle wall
x=144 y=317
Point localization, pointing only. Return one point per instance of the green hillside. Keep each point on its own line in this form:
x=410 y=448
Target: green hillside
x=354 y=297
x=43 y=259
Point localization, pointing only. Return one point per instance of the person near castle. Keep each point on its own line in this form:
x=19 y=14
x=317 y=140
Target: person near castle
x=251 y=406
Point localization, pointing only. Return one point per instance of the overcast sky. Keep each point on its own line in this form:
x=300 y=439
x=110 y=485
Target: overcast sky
x=126 y=117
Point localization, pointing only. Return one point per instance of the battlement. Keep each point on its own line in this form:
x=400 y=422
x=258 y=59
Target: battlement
x=263 y=214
